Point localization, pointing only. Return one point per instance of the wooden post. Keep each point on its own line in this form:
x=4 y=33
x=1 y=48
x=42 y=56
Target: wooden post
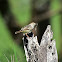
x=45 y=52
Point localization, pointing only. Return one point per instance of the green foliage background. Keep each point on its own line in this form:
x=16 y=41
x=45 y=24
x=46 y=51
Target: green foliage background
x=22 y=11
x=7 y=46
x=56 y=23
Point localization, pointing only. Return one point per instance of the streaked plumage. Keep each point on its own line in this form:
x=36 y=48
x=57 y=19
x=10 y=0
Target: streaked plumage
x=27 y=28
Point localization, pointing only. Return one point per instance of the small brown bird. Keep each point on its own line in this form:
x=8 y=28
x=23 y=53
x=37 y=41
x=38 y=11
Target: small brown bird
x=28 y=28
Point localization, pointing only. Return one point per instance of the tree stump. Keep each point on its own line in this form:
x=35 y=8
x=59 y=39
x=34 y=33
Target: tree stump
x=45 y=52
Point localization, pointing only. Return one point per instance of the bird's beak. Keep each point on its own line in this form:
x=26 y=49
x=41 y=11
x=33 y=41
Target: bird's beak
x=36 y=24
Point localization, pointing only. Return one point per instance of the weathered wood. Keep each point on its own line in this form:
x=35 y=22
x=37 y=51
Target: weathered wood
x=45 y=52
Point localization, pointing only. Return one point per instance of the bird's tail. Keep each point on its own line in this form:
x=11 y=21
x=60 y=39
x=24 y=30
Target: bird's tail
x=18 y=32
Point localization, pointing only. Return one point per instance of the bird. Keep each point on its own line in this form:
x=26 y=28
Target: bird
x=28 y=28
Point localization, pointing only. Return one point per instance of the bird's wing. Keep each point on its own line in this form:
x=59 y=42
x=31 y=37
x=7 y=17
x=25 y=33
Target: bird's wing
x=28 y=27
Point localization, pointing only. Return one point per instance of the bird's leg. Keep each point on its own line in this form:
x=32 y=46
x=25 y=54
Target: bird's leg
x=26 y=35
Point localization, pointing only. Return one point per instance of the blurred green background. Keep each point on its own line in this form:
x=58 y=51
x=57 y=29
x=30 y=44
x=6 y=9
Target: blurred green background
x=15 y=14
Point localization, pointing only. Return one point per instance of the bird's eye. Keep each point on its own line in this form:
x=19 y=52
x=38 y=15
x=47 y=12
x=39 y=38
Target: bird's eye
x=21 y=29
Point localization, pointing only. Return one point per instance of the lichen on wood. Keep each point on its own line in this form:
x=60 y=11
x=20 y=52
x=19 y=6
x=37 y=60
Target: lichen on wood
x=45 y=52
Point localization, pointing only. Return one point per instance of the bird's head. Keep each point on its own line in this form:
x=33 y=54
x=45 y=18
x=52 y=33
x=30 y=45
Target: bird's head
x=34 y=24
